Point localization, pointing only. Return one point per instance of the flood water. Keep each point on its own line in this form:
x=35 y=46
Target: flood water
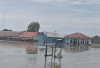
x=31 y=55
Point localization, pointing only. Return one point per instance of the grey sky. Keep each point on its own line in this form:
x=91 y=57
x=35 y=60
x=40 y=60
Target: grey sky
x=63 y=16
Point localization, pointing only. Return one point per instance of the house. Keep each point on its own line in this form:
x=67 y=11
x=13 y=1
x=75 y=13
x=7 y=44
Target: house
x=49 y=37
x=9 y=35
x=77 y=39
x=42 y=39
x=29 y=36
x=52 y=36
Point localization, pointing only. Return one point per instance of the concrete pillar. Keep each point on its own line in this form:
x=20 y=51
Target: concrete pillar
x=79 y=41
x=84 y=41
x=89 y=41
x=72 y=42
x=69 y=40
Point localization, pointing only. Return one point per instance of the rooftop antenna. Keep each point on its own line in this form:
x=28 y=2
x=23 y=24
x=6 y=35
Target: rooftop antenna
x=3 y=19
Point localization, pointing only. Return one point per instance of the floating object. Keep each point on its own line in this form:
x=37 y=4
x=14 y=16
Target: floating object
x=59 y=55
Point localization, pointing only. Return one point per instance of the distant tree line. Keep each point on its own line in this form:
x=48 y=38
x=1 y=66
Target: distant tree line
x=6 y=30
x=95 y=39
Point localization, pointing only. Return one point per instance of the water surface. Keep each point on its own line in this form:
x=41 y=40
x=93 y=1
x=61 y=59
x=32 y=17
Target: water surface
x=31 y=55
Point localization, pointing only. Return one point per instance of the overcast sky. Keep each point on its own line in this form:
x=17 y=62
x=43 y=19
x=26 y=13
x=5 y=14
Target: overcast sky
x=63 y=16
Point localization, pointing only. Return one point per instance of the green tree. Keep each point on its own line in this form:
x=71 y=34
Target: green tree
x=33 y=27
x=96 y=39
x=6 y=30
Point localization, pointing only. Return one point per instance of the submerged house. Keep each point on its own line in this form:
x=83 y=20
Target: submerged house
x=77 y=39
x=49 y=37
x=52 y=36
x=42 y=39
x=29 y=36
x=9 y=35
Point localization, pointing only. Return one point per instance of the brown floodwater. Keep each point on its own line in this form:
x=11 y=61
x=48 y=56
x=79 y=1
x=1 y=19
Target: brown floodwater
x=30 y=55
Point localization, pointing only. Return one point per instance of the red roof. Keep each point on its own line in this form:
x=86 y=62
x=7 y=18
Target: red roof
x=79 y=35
x=28 y=34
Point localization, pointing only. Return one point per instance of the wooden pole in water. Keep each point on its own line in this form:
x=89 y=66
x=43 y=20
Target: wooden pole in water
x=52 y=50
x=46 y=51
x=45 y=62
x=46 y=47
x=55 y=51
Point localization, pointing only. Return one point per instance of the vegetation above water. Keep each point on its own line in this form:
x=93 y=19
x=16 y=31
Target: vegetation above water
x=33 y=27
x=95 y=39
x=6 y=30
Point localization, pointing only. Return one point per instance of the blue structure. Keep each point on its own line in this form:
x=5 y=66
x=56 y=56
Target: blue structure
x=49 y=37
x=77 y=39
x=42 y=39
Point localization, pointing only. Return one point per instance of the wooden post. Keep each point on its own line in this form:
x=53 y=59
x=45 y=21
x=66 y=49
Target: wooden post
x=55 y=51
x=46 y=54
x=52 y=50
x=45 y=62
x=46 y=51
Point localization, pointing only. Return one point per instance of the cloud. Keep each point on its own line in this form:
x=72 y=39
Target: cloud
x=48 y=0
x=83 y=2
x=70 y=24
x=70 y=2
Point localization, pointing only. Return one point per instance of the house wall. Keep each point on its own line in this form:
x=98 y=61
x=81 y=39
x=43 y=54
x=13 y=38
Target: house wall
x=42 y=39
x=36 y=37
x=77 y=41
x=51 y=40
x=67 y=41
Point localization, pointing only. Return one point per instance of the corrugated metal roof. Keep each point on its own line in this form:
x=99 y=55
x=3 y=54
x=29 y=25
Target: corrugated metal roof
x=28 y=34
x=51 y=34
x=54 y=34
x=62 y=35
x=79 y=35
x=10 y=34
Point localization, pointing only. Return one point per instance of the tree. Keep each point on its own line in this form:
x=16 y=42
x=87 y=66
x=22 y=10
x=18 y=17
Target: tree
x=96 y=39
x=33 y=27
x=6 y=30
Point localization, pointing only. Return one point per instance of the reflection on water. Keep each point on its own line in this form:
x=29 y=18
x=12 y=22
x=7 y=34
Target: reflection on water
x=53 y=63
x=31 y=55
x=77 y=49
x=32 y=48
x=18 y=47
